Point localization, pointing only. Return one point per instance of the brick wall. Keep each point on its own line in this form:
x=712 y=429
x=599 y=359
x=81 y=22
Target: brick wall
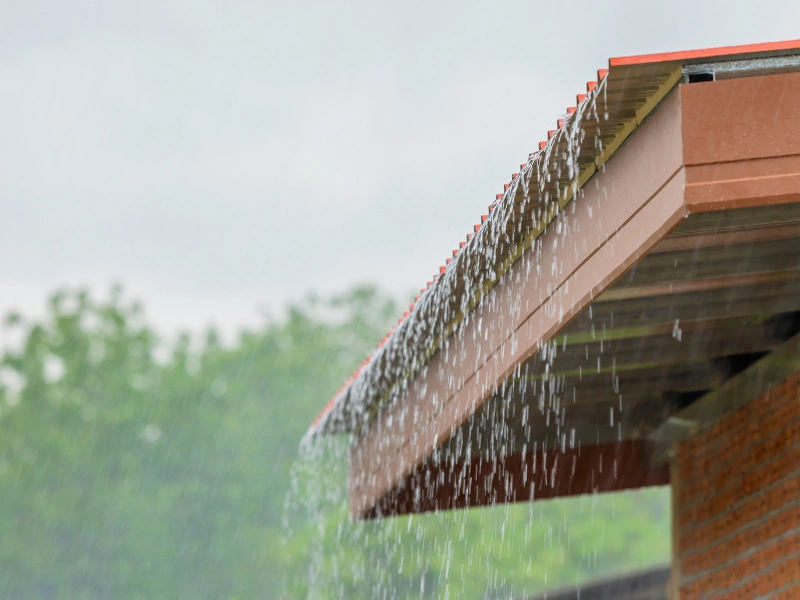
x=737 y=503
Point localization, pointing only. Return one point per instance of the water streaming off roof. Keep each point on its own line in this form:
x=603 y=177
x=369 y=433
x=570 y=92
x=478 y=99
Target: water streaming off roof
x=643 y=258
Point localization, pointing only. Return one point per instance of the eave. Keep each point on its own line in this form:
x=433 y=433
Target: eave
x=705 y=175
x=588 y=134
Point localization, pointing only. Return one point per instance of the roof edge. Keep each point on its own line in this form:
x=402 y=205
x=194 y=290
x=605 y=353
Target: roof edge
x=686 y=55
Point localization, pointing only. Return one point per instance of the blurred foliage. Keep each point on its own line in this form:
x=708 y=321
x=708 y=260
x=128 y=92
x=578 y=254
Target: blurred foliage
x=131 y=472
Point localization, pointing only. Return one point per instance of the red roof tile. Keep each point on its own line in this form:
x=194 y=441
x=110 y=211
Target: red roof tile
x=706 y=53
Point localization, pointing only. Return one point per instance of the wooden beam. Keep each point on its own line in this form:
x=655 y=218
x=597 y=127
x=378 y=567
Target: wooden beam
x=698 y=285
x=745 y=235
x=705 y=305
x=657 y=328
x=552 y=473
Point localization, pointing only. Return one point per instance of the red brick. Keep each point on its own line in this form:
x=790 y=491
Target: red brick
x=710 y=504
x=728 y=444
x=730 y=426
x=738 y=491
x=792 y=592
x=773 y=444
x=758 y=534
x=702 y=534
x=769 y=567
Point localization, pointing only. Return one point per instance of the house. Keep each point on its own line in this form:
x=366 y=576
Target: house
x=626 y=314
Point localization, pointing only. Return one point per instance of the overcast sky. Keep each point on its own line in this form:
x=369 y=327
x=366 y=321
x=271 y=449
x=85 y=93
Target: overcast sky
x=219 y=156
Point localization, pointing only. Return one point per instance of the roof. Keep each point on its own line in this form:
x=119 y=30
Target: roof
x=583 y=140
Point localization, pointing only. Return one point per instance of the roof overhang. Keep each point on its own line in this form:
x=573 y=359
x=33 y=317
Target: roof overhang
x=564 y=333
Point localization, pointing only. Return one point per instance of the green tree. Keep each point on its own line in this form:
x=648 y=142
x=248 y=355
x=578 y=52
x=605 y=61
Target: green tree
x=127 y=472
